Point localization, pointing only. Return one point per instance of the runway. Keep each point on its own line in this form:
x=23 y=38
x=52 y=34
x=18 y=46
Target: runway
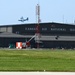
x=37 y=73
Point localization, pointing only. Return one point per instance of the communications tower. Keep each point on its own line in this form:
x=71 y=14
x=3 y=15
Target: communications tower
x=37 y=34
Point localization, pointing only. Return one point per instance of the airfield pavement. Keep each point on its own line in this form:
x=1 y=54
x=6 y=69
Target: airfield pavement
x=37 y=73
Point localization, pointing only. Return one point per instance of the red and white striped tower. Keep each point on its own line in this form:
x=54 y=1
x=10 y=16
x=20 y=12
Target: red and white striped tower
x=37 y=38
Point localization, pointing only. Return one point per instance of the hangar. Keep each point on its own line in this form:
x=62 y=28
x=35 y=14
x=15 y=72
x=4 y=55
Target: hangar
x=53 y=35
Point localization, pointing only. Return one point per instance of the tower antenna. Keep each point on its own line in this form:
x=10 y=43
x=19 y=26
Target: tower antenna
x=37 y=38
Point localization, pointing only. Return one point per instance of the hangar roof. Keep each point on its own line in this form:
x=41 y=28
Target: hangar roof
x=11 y=35
x=42 y=38
x=34 y=23
x=58 y=38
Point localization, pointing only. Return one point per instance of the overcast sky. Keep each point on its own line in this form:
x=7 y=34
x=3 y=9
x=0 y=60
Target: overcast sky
x=60 y=11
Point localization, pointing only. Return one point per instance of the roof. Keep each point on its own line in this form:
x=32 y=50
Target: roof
x=42 y=38
x=35 y=24
x=58 y=38
x=11 y=35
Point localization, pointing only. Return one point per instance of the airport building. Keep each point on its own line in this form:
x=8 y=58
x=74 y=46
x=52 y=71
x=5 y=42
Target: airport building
x=52 y=35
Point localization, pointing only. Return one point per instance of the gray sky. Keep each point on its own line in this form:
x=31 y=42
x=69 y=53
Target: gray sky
x=51 y=11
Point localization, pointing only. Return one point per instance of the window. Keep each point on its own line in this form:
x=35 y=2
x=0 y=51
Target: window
x=44 y=29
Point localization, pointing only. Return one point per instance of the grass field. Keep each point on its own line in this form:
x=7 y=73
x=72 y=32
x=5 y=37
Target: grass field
x=37 y=60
